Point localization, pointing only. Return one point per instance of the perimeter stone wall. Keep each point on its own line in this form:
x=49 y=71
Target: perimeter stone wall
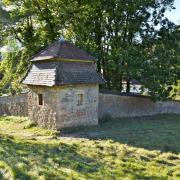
x=14 y=105
x=131 y=106
x=61 y=109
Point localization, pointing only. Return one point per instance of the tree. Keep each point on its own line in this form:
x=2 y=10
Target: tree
x=120 y=34
x=160 y=68
x=112 y=29
x=11 y=68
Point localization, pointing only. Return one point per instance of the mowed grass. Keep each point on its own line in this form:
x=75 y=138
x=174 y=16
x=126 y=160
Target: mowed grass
x=160 y=132
x=128 y=148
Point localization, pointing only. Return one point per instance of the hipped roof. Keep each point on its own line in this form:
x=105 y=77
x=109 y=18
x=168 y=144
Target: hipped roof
x=62 y=63
x=62 y=49
x=62 y=73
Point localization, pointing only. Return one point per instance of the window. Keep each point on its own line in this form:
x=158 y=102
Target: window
x=40 y=99
x=80 y=99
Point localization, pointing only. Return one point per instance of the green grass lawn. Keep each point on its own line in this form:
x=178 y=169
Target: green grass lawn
x=128 y=148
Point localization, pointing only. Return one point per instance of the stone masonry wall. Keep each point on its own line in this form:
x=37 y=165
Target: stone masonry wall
x=14 y=105
x=60 y=107
x=70 y=114
x=44 y=115
x=131 y=106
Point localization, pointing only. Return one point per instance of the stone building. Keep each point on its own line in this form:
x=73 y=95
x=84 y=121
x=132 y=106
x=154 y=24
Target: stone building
x=64 y=87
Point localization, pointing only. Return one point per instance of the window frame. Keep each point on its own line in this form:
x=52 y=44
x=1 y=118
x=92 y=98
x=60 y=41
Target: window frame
x=80 y=99
x=40 y=99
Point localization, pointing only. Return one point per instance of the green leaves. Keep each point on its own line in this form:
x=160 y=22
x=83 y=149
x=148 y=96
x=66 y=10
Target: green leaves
x=11 y=68
x=161 y=67
x=122 y=35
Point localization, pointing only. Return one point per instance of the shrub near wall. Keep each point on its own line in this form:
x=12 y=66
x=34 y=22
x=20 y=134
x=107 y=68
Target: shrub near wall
x=16 y=105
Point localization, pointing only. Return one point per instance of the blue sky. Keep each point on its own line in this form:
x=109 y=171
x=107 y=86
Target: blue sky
x=174 y=15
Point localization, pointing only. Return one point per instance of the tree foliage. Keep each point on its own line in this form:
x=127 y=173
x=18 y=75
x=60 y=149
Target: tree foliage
x=161 y=67
x=130 y=39
x=12 y=68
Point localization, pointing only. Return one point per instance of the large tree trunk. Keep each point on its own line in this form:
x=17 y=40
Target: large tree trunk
x=120 y=83
x=128 y=86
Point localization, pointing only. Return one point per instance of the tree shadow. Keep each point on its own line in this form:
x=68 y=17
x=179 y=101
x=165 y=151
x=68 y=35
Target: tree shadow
x=160 y=132
x=31 y=159
x=49 y=159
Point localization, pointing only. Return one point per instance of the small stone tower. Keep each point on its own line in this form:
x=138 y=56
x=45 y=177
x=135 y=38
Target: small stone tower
x=64 y=87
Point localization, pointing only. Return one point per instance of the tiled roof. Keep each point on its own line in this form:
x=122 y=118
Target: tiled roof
x=62 y=50
x=62 y=73
x=79 y=78
x=73 y=67
x=41 y=74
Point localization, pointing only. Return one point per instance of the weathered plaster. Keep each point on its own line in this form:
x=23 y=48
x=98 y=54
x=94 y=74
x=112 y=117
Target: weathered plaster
x=60 y=107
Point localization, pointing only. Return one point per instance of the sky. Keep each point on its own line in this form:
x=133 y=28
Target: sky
x=174 y=15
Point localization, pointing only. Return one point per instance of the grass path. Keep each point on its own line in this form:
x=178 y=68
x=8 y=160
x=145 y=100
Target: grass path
x=28 y=152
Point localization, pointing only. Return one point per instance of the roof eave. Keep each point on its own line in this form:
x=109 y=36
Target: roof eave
x=35 y=84
x=62 y=84
x=47 y=58
x=40 y=58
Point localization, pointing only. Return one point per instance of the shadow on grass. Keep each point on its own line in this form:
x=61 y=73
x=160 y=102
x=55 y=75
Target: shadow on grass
x=160 y=132
x=39 y=159
x=24 y=158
